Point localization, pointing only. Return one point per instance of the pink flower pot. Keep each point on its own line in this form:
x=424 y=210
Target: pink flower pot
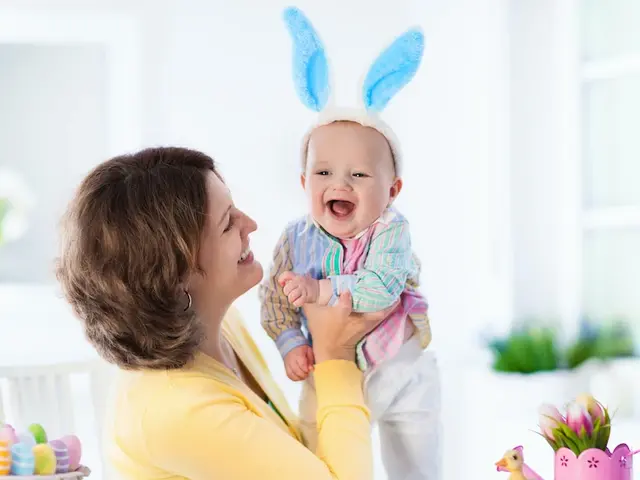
x=594 y=464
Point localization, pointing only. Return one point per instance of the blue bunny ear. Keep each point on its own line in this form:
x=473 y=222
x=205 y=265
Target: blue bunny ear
x=310 y=67
x=393 y=69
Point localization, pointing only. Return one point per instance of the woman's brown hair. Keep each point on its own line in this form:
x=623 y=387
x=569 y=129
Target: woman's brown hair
x=130 y=237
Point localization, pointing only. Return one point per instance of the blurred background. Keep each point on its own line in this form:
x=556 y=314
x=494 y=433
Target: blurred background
x=521 y=185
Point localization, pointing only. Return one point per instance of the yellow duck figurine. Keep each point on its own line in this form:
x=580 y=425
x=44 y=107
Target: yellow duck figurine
x=512 y=461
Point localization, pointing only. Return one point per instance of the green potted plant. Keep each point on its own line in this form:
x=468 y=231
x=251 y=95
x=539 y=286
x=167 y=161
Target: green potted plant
x=605 y=341
x=610 y=345
x=526 y=350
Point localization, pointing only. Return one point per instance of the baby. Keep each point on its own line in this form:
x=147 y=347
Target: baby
x=355 y=240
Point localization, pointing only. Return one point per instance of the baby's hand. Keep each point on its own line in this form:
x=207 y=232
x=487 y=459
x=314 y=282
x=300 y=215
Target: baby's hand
x=299 y=289
x=298 y=363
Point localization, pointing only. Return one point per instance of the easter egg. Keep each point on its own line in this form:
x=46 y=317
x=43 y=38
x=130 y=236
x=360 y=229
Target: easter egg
x=22 y=459
x=39 y=435
x=5 y=458
x=74 y=447
x=27 y=438
x=8 y=434
x=62 y=455
x=45 y=459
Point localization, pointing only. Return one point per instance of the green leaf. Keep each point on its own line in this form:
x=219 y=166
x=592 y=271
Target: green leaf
x=552 y=444
x=593 y=438
x=577 y=443
x=567 y=438
x=602 y=440
x=573 y=446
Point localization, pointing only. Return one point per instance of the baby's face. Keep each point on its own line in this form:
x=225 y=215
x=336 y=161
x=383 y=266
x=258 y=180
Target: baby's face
x=349 y=177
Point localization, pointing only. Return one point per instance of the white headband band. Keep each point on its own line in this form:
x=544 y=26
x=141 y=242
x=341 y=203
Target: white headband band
x=394 y=68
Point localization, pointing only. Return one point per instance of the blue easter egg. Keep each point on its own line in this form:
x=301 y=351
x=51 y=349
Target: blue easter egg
x=22 y=459
x=62 y=455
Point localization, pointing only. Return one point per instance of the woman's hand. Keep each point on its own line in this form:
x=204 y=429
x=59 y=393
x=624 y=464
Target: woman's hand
x=337 y=330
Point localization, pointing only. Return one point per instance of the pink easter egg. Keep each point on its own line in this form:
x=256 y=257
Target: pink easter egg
x=8 y=434
x=62 y=455
x=74 y=448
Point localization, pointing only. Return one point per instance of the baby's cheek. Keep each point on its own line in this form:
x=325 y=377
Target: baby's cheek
x=317 y=205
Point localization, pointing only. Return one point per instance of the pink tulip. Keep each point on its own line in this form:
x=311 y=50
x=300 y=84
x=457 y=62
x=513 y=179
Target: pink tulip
x=578 y=418
x=592 y=406
x=549 y=418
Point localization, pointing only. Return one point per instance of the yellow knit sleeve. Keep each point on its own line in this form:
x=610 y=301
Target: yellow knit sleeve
x=217 y=435
x=344 y=429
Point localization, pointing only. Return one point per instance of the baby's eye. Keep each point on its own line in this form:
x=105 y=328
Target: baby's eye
x=323 y=173
x=360 y=175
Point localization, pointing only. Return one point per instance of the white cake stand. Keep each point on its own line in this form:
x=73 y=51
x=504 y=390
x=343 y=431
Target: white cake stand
x=79 y=474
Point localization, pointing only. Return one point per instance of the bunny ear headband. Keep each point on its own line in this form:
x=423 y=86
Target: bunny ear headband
x=389 y=73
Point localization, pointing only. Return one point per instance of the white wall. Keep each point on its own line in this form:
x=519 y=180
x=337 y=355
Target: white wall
x=52 y=125
x=544 y=158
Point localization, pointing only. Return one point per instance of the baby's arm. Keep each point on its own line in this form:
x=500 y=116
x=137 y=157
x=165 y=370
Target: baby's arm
x=383 y=278
x=281 y=319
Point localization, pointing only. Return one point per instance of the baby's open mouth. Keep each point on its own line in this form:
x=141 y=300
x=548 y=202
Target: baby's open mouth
x=341 y=208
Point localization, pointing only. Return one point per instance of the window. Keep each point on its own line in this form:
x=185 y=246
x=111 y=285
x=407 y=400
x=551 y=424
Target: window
x=610 y=159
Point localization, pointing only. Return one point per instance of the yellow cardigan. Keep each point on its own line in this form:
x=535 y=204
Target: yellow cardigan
x=201 y=423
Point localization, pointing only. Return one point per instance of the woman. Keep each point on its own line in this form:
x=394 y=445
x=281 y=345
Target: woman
x=154 y=253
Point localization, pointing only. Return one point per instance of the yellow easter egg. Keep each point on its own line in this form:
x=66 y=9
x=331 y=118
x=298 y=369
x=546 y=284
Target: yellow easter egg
x=5 y=458
x=45 y=459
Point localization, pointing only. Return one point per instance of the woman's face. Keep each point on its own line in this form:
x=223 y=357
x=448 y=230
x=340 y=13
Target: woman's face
x=225 y=254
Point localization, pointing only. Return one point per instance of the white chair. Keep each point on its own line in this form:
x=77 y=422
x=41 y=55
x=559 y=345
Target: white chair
x=64 y=398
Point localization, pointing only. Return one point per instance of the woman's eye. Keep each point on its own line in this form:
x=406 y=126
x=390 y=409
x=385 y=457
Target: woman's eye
x=229 y=225
x=324 y=173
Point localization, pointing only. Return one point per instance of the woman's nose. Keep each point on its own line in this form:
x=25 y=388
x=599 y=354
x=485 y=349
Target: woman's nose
x=249 y=224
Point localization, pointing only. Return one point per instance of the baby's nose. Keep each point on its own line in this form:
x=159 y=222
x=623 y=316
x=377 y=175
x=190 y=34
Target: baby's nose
x=342 y=182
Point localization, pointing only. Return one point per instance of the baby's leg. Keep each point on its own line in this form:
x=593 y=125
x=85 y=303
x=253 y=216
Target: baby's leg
x=410 y=428
x=308 y=407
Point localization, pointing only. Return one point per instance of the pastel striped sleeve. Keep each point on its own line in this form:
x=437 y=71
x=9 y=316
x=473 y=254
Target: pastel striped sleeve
x=278 y=317
x=383 y=278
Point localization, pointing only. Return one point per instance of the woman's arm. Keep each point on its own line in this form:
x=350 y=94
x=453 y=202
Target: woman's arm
x=219 y=436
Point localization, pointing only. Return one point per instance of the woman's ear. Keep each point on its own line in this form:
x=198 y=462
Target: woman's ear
x=395 y=189
x=303 y=181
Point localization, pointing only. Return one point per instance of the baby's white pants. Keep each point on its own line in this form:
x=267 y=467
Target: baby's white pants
x=403 y=395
